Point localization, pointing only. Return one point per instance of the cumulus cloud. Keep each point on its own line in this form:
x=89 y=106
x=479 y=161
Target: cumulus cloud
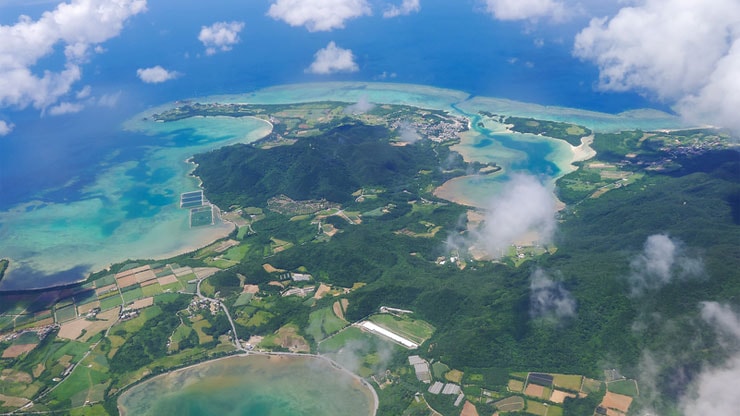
x=714 y=391
x=5 y=128
x=525 y=9
x=407 y=133
x=549 y=299
x=220 y=36
x=156 y=74
x=318 y=15
x=362 y=106
x=333 y=59
x=662 y=260
x=524 y=207
x=66 y=108
x=406 y=8
x=681 y=51
x=78 y=26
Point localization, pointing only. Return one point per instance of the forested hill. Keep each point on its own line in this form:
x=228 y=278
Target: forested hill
x=331 y=165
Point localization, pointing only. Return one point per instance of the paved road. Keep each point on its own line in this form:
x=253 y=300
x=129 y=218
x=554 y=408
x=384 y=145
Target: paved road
x=237 y=344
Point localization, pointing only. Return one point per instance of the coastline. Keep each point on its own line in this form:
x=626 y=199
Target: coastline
x=280 y=355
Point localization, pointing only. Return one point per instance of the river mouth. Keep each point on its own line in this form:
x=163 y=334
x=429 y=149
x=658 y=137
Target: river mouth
x=253 y=384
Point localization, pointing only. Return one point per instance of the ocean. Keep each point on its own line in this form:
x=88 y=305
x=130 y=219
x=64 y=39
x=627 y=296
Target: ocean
x=80 y=191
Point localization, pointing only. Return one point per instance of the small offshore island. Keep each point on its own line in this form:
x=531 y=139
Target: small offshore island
x=342 y=248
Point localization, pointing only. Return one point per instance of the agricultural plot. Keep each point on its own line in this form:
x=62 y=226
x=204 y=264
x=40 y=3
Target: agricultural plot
x=590 y=385
x=111 y=302
x=624 y=387
x=510 y=404
x=536 y=408
x=439 y=369
x=322 y=323
x=105 y=281
x=65 y=314
x=515 y=386
x=567 y=381
x=414 y=330
x=132 y=295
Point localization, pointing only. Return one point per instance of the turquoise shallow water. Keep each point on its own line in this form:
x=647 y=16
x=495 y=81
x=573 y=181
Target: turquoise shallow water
x=253 y=385
x=128 y=209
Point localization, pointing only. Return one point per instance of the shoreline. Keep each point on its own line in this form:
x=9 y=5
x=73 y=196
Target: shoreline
x=290 y=355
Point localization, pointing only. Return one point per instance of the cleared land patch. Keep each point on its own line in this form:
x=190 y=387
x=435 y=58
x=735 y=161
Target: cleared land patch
x=510 y=404
x=615 y=401
x=414 y=330
x=559 y=396
x=17 y=350
x=73 y=329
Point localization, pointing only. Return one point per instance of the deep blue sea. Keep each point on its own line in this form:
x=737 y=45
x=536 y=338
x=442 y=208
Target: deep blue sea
x=54 y=160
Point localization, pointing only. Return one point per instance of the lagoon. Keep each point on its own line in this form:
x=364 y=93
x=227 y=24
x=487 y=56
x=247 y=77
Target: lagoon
x=126 y=204
x=253 y=385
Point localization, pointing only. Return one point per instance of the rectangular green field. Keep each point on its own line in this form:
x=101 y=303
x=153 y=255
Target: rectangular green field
x=415 y=330
x=322 y=323
x=151 y=290
x=173 y=287
x=567 y=381
x=341 y=339
x=132 y=295
x=110 y=302
x=105 y=281
x=536 y=408
x=625 y=387
x=66 y=313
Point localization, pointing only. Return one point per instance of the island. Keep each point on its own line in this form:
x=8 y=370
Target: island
x=342 y=253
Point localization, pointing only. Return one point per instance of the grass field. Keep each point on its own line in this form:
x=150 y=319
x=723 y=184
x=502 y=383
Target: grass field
x=243 y=299
x=516 y=386
x=591 y=385
x=439 y=369
x=105 y=281
x=237 y=253
x=536 y=408
x=454 y=376
x=625 y=387
x=567 y=381
x=415 y=330
x=322 y=323
x=132 y=295
x=64 y=314
x=198 y=327
x=151 y=290
x=338 y=341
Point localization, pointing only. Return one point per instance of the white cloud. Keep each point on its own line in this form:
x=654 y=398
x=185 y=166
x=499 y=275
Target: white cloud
x=220 y=36
x=524 y=207
x=362 y=106
x=318 y=15
x=109 y=100
x=84 y=92
x=78 y=26
x=525 y=9
x=5 y=128
x=663 y=260
x=714 y=391
x=66 y=108
x=333 y=59
x=684 y=52
x=407 y=133
x=156 y=74
x=407 y=7
x=549 y=299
